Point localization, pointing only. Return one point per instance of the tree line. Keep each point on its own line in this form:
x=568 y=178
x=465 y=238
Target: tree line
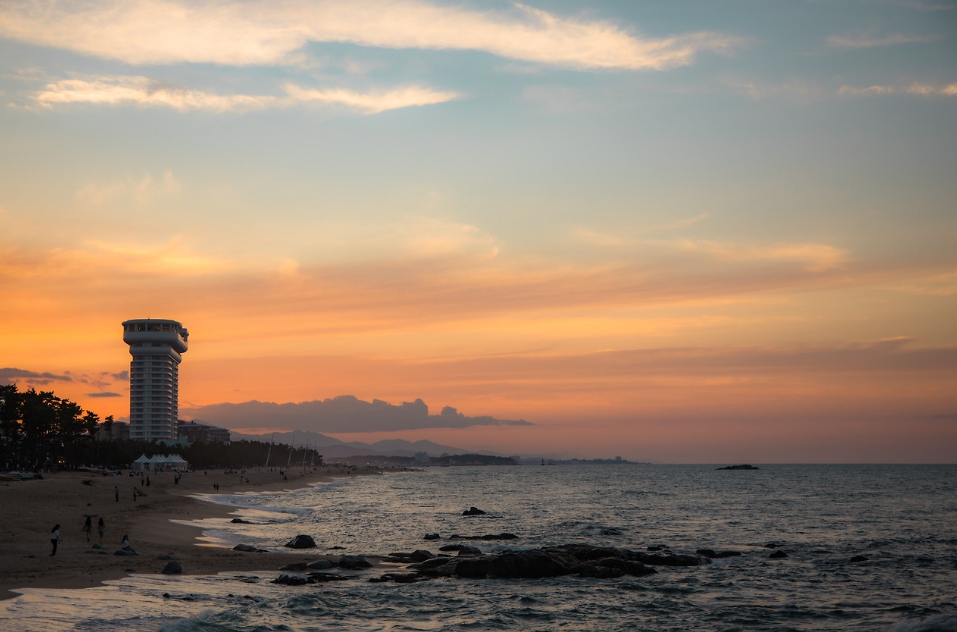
x=40 y=431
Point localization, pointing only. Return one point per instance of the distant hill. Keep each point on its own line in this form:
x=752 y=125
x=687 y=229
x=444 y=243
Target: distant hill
x=331 y=447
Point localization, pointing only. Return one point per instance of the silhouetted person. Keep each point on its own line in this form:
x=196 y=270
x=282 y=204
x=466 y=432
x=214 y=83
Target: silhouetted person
x=117 y=490
x=101 y=529
x=54 y=539
x=88 y=527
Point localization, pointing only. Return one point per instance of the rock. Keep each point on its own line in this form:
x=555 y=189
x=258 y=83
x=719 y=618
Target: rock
x=97 y=546
x=500 y=536
x=771 y=545
x=353 y=562
x=467 y=550
x=532 y=564
x=712 y=555
x=609 y=532
x=320 y=565
x=777 y=555
x=399 y=578
x=453 y=547
x=125 y=552
x=709 y=553
x=165 y=595
x=165 y=557
x=421 y=555
x=655 y=548
x=295 y=566
x=473 y=511
x=248 y=549
x=431 y=536
x=858 y=558
x=290 y=580
x=172 y=568
x=240 y=521
x=329 y=577
x=301 y=542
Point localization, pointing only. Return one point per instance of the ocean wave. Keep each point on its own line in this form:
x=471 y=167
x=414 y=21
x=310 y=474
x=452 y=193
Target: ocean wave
x=938 y=623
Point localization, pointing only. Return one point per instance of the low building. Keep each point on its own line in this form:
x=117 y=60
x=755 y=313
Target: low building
x=120 y=432
x=198 y=432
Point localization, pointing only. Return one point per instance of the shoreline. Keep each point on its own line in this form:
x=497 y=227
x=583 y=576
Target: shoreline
x=33 y=507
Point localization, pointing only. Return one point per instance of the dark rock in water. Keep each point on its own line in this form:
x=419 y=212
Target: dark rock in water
x=521 y=564
x=500 y=536
x=328 y=577
x=295 y=566
x=399 y=578
x=421 y=555
x=301 y=542
x=712 y=555
x=335 y=548
x=290 y=580
x=777 y=555
x=487 y=537
x=453 y=547
x=248 y=549
x=655 y=548
x=240 y=521
x=467 y=550
x=609 y=532
x=431 y=536
x=771 y=545
x=473 y=511
x=858 y=558
x=165 y=595
x=172 y=568
x=353 y=562
x=435 y=562
x=320 y=565
x=739 y=467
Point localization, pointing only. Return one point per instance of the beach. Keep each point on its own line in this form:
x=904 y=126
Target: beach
x=31 y=508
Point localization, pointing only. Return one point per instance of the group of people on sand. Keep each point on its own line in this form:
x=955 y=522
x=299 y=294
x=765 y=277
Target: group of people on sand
x=88 y=530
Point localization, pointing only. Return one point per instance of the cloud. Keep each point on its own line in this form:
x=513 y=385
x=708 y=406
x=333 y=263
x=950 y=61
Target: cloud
x=269 y=32
x=813 y=257
x=919 y=89
x=10 y=374
x=372 y=102
x=145 y=92
x=143 y=190
x=105 y=394
x=340 y=414
x=868 y=41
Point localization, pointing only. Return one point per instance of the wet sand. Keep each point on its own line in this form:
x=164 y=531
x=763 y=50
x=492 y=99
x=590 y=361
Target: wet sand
x=30 y=509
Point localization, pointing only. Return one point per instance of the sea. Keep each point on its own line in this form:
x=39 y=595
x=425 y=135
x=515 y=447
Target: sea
x=901 y=518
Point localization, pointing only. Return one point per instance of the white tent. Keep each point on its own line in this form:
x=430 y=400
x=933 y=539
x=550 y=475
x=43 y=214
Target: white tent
x=142 y=463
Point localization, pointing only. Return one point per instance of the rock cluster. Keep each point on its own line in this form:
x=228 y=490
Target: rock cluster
x=301 y=542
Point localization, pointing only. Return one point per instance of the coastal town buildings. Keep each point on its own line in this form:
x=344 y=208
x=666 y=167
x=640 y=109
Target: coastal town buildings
x=157 y=346
x=198 y=432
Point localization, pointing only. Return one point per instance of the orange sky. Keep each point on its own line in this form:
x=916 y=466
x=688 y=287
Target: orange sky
x=650 y=230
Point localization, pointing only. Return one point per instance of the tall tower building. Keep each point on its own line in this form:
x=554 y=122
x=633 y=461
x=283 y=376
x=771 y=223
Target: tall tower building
x=156 y=346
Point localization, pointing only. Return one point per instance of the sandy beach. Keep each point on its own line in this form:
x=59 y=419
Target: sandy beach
x=30 y=509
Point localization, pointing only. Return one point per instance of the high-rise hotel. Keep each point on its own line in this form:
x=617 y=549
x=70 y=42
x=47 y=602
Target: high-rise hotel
x=156 y=346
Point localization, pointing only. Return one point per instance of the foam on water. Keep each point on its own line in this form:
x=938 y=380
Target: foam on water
x=902 y=518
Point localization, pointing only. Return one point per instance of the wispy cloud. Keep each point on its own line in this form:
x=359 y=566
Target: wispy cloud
x=813 y=257
x=146 y=92
x=11 y=374
x=918 y=89
x=261 y=32
x=871 y=41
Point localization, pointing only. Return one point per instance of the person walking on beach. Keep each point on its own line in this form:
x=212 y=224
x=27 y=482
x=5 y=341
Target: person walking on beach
x=54 y=539
x=88 y=527
x=101 y=529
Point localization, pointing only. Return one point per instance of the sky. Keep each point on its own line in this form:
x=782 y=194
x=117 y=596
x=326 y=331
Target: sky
x=686 y=231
